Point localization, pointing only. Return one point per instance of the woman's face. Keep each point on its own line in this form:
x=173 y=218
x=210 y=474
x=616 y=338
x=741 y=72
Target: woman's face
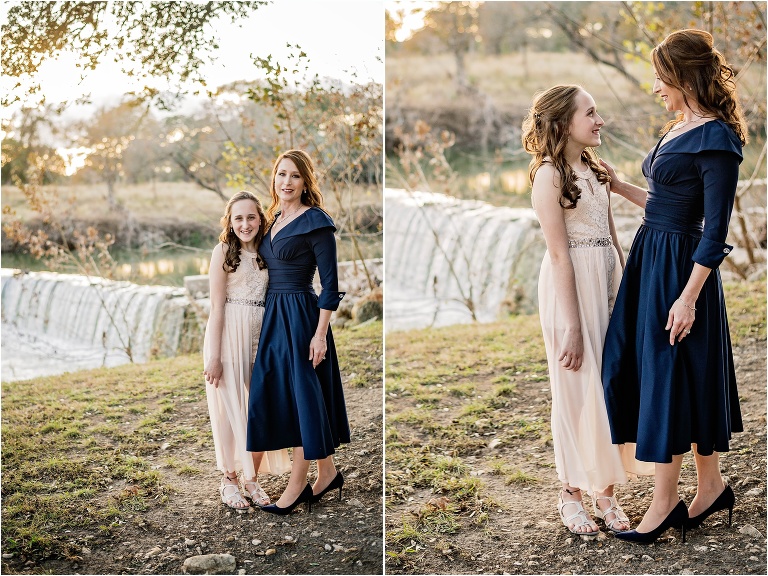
x=584 y=129
x=288 y=181
x=671 y=96
x=245 y=220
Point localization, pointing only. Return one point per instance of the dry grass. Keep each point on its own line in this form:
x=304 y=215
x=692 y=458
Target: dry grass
x=153 y=203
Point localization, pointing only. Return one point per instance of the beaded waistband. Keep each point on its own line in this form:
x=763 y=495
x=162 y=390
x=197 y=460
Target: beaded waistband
x=590 y=243
x=245 y=302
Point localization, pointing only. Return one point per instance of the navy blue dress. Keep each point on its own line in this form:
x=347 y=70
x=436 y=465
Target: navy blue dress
x=666 y=397
x=291 y=403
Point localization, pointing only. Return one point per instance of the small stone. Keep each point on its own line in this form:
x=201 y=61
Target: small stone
x=241 y=572
x=315 y=534
x=210 y=564
x=255 y=541
x=328 y=547
x=85 y=550
x=7 y=556
x=646 y=558
x=289 y=538
x=355 y=502
x=153 y=552
x=165 y=446
x=627 y=557
x=687 y=571
x=493 y=443
x=676 y=566
x=532 y=563
x=749 y=530
x=567 y=559
x=270 y=552
x=755 y=492
x=188 y=542
x=569 y=540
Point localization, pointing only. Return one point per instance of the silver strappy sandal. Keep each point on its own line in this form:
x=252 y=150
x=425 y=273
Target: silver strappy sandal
x=615 y=509
x=258 y=495
x=580 y=517
x=231 y=496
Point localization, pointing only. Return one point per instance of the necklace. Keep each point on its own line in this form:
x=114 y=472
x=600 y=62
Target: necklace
x=684 y=124
x=284 y=217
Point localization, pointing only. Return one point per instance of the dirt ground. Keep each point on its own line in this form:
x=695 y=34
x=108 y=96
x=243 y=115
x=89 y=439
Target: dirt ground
x=521 y=532
x=335 y=538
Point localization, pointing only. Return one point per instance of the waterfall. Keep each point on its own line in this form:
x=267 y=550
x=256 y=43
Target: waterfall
x=445 y=257
x=53 y=323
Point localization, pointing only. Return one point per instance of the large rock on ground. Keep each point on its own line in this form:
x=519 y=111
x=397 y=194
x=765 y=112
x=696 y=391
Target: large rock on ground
x=210 y=564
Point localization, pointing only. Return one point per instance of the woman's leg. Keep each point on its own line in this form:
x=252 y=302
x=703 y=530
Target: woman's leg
x=298 y=480
x=709 y=482
x=665 y=496
x=326 y=472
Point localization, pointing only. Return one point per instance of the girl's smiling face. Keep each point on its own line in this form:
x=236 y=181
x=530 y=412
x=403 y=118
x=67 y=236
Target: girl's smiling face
x=584 y=129
x=245 y=220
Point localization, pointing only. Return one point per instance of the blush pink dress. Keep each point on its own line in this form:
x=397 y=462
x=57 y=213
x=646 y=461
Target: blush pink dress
x=584 y=455
x=228 y=404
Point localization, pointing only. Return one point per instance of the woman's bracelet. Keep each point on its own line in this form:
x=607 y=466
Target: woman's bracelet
x=686 y=305
x=318 y=338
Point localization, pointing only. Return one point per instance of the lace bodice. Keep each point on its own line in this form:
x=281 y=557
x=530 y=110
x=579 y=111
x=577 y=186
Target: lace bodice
x=589 y=220
x=247 y=283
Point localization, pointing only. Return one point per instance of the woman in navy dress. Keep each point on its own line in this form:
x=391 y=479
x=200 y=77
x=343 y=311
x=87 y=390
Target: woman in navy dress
x=668 y=370
x=296 y=397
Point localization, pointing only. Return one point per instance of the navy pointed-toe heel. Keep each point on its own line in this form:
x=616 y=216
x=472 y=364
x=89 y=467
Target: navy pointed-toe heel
x=675 y=519
x=726 y=500
x=337 y=482
x=305 y=496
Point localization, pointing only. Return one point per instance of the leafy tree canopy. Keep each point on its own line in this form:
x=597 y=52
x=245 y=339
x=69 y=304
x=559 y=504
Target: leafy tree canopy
x=164 y=39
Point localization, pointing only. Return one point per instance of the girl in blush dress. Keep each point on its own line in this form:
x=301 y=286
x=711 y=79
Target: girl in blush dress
x=238 y=282
x=579 y=277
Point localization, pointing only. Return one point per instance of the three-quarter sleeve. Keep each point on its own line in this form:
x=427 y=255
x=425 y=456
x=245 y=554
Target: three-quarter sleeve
x=323 y=245
x=719 y=170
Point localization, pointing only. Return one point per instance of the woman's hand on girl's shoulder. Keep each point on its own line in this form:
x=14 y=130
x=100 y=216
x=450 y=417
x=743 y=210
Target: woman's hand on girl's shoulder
x=611 y=171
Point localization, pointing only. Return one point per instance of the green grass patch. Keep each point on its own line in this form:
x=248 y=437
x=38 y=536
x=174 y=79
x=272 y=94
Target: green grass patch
x=746 y=305
x=518 y=477
x=66 y=439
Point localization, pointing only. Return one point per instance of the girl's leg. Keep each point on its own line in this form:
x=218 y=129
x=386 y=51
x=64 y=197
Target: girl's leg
x=665 y=496
x=230 y=491
x=603 y=503
x=570 y=494
x=298 y=480
x=252 y=486
x=326 y=472
x=709 y=482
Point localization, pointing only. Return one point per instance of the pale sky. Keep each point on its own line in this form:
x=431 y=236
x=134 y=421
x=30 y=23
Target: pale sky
x=337 y=36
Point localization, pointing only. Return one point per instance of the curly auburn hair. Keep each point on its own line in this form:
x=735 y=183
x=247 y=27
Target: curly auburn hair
x=688 y=61
x=545 y=135
x=230 y=239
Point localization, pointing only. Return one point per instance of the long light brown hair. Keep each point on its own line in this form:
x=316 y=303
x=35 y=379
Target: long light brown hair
x=230 y=239
x=688 y=61
x=311 y=195
x=545 y=135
